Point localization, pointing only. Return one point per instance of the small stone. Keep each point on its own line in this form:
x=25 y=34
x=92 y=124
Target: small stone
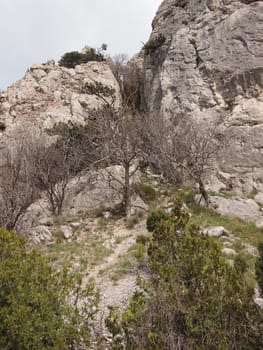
x=229 y=251
x=215 y=231
x=76 y=225
x=259 y=198
x=259 y=302
x=106 y=214
x=67 y=231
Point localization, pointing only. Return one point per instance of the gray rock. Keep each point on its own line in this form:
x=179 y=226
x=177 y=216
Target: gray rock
x=245 y=209
x=94 y=189
x=67 y=231
x=76 y=225
x=215 y=231
x=251 y=250
x=106 y=214
x=258 y=298
x=259 y=198
x=137 y=204
x=259 y=302
x=229 y=251
x=46 y=221
x=40 y=234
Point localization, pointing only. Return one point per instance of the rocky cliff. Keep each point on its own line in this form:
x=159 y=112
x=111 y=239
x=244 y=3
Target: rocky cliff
x=211 y=67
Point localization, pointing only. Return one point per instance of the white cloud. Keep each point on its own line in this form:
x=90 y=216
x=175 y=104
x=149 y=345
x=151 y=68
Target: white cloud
x=34 y=31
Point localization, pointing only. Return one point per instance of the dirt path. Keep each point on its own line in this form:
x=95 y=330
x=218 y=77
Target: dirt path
x=128 y=238
x=114 y=293
x=121 y=249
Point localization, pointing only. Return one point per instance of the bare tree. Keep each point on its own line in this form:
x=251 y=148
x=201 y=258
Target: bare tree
x=119 y=130
x=184 y=151
x=17 y=190
x=130 y=78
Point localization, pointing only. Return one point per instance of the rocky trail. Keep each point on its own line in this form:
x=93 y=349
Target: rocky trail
x=112 y=292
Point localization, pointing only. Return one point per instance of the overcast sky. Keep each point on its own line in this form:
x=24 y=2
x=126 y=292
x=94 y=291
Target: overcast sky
x=34 y=31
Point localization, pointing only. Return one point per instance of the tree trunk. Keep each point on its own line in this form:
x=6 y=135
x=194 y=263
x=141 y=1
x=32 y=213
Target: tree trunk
x=203 y=192
x=127 y=192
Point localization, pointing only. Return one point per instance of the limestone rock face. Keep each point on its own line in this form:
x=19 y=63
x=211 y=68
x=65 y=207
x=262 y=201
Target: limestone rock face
x=211 y=67
x=49 y=94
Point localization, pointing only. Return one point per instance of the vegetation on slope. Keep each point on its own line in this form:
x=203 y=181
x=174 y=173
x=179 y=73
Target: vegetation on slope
x=194 y=299
x=40 y=308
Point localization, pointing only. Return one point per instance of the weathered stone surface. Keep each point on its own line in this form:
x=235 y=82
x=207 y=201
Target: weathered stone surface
x=40 y=234
x=38 y=214
x=76 y=226
x=67 y=231
x=258 y=298
x=245 y=209
x=49 y=94
x=259 y=198
x=93 y=190
x=259 y=302
x=138 y=205
x=215 y=231
x=251 y=250
x=229 y=251
x=211 y=67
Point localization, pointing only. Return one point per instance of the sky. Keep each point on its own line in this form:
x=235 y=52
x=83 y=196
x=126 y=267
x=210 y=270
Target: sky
x=34 y=31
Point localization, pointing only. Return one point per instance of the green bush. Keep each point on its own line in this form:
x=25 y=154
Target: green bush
x=146 y=192
x=154 y=43
x=154 y=219
x=193 y=296
x=142 y=239
x=73 y=58
x=34 y=301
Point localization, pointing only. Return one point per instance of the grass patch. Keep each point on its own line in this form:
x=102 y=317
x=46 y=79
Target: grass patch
x=132 y=221
x=253 y=193
x=59 y=236
x=118 y=239
x=223 y=194
x=77 y=256
x=146 y=192
x=127 y=263
x=187 y=194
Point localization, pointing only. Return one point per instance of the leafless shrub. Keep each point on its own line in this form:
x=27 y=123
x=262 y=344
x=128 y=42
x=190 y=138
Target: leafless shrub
x=185 y=151
x=17 y=190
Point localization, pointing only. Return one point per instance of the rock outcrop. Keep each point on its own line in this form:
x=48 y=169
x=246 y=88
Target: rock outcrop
x=99 y=189
x=49 y=94
x=211 y=67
